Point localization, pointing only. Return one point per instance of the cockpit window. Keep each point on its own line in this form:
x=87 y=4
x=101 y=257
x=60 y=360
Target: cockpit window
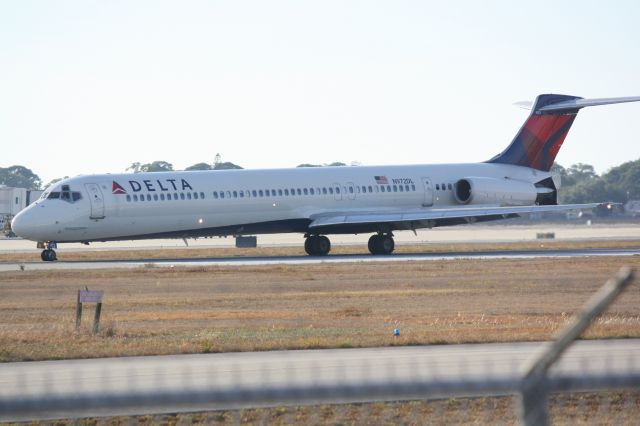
x=66 y=194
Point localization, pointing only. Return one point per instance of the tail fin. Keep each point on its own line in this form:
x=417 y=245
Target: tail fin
x=540 y=138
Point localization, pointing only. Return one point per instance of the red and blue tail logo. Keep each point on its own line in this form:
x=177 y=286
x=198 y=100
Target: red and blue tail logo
x=540 y=138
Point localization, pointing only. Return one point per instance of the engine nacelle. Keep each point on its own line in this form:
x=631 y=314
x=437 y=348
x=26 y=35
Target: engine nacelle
x=505 y=192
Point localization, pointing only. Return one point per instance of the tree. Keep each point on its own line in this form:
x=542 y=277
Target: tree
x=225 y=166
x=19 y=177
x=309 y=165
x=200 y=166
x=157 y=166
x=134 y=167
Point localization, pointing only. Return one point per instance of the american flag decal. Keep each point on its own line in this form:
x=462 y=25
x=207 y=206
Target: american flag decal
x=381 y=180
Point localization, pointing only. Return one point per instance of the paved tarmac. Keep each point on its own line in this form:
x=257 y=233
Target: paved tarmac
x=300 y=260
x=228 y=372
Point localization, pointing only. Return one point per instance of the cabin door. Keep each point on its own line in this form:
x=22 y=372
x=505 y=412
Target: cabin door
x=96 y=199
x=428 y=192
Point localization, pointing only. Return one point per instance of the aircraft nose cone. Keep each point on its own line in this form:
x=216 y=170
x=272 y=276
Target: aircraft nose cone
x=23 y=224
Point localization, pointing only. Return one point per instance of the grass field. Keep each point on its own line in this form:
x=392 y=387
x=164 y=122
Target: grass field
x=211 y=309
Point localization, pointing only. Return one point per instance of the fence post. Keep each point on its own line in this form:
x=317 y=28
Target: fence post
x=78 y=311
x=96 y=318
x=534 y=398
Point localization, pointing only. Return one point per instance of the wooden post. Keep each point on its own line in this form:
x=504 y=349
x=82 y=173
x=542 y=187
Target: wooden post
x=78 y=311
x=96 y=318
x=89 y=296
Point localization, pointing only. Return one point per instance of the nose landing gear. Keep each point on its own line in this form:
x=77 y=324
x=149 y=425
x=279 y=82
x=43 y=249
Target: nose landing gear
x=48 y=254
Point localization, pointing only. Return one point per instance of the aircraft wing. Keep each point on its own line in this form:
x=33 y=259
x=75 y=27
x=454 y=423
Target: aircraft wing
x=420 y=218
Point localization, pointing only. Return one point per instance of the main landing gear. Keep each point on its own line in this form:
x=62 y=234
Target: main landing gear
x=48 y=254
x=381 y=244
x=317 y=245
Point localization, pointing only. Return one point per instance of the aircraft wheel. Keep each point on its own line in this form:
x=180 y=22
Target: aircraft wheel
x=386 y=244
x=381 y=244
x=321 y=245
x=308 y=245
x=373 y=241
x=48 y=255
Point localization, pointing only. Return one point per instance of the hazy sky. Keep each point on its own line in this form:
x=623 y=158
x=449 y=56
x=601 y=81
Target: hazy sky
x=92 y=86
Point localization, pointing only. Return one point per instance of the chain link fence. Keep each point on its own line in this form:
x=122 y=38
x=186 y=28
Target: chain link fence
x=591 y=383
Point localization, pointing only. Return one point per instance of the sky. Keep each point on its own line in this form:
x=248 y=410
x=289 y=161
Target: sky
x=93 y=86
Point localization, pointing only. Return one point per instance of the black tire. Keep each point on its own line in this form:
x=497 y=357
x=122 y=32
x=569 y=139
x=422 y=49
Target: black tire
x=53 y=256
x=309 y=244
x=321 y=246
x=43 y=255
x=386 y=244
x=373 y=242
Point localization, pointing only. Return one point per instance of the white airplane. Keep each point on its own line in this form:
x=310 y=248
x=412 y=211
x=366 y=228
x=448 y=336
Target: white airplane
x=313 y=201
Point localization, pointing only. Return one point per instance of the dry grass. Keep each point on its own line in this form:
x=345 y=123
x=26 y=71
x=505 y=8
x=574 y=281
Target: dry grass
x=92 y=253
x=213 y=309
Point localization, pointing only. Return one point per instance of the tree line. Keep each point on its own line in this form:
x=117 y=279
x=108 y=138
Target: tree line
x=580 y=182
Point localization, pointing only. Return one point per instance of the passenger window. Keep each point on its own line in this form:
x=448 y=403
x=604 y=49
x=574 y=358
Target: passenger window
x=450 y=187
x=337 y=189
x=215 y=195
x=330 y=190
x=413 y=187
x=444 y=187
x=135 y=197
x=351 y=190
x=260 y=193
x=280 y=192
x=222 y=194
x=299 y=191
x=306 y=191
x=406 y=188
x=141 y=197
x=437 y=187
x=175 y=196
x=324 y=191
x=155 y=197
x=148 y=197
x=286 y=192
x=162 y=197
x=382 y=188
x=128 y=197
x=195 y=195
x=241 y=194
x=202 y=195
x=182 y=197
x=400 y=188
x=235 y=194
x=311 y=191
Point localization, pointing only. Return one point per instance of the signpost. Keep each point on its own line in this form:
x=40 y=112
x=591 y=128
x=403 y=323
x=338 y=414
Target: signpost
x=89 y=296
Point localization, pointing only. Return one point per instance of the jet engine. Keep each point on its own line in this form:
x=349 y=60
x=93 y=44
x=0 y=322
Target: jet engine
x=504 y=192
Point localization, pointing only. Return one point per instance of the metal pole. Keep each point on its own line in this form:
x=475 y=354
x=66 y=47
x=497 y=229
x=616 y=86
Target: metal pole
x=534 y=403
x=78 y=311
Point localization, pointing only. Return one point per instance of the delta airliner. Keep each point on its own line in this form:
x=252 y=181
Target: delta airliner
x=315 y=202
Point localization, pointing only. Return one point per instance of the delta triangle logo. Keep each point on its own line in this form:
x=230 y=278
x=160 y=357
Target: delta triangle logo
x=117 y=189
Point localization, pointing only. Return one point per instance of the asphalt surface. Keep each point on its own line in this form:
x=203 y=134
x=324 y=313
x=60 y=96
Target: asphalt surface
x=182 y=375
x=299 y=260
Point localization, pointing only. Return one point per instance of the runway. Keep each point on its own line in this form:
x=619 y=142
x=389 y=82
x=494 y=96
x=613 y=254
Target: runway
x=252 y=371
x=299 y=260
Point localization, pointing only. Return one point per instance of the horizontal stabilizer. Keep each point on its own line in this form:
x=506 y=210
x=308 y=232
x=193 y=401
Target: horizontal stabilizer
x=575 y=104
